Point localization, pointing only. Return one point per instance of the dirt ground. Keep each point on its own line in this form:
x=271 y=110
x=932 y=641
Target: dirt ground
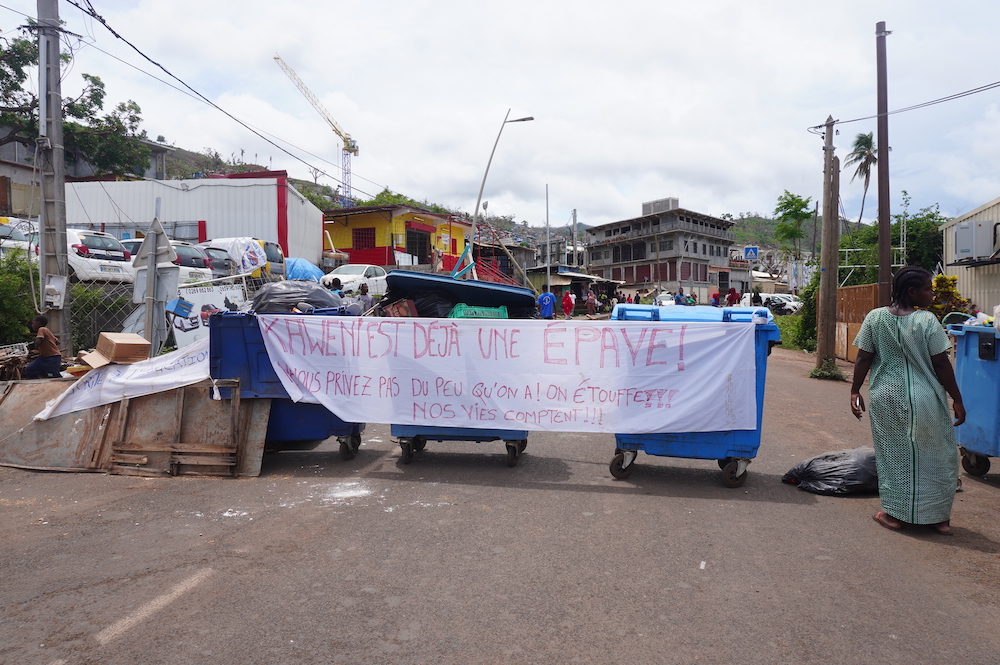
x=457 y=558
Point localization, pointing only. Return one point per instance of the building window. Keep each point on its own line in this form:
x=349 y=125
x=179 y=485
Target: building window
x=626 y=229
x=363 y=238
x=639 y=251
x=652 y=248
x=626 y=252
x=607 y=254
x=666 y=244
x=704 y=248
x=687 y=247
x=616 y=254
x=607 y=234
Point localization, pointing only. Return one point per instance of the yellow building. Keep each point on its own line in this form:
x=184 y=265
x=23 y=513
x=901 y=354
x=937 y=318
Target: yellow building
x=396 y=235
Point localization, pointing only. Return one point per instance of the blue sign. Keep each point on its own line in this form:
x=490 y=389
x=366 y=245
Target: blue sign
x=750 y=253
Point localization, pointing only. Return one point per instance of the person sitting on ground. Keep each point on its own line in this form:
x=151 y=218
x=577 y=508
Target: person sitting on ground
x=49 y=361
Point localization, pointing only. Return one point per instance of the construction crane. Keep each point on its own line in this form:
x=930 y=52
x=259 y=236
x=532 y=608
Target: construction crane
x=350 y=145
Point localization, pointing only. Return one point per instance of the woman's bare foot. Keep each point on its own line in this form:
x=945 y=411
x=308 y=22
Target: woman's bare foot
x=944 y=528
x=887 y=520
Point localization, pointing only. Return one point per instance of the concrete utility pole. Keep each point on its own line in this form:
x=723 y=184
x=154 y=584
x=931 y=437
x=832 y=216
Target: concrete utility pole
x=826 y=310
x=884 y=221
x=52 y=223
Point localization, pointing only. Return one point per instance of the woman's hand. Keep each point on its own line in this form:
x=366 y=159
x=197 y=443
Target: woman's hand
x=858 y=406
x=959 y=413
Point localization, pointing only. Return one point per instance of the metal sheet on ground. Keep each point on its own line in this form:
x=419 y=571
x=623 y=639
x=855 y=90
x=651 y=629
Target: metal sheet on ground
x=177 y=432
x=67 y=443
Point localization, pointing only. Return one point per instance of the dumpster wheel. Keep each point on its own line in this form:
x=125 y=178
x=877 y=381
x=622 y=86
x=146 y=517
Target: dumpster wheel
x=975 y=465
x=419 y=443
x=349 y=446
x=521 y=445
x=513 y=453
x=406 y=444
x=618 y=468
x=729 y=477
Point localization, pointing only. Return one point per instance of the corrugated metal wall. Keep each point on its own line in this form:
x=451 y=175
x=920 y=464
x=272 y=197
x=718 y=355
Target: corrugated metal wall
x=979 y=284
x=230 y=207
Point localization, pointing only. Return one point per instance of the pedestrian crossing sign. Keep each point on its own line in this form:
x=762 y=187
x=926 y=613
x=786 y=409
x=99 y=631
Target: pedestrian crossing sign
x=750 y=253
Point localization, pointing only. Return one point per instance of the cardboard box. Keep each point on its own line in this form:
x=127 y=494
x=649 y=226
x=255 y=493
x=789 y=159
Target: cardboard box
x=122 y=348
x=400 y=308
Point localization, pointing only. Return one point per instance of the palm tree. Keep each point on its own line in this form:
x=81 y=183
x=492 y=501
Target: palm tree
x=865 y=155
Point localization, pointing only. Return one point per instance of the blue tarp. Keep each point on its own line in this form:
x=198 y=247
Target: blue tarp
x=301 y=269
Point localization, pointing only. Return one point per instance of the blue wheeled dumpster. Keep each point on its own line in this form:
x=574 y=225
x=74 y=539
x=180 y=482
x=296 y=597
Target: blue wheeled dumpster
x=733 y=449
x=237 y=351
x=977 y=370
x=469 y=299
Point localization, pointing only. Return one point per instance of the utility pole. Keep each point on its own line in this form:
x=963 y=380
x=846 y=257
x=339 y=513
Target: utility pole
x=575 y=263
x=548 y=242
x=826 y=319
x=52 y=223
x=884 y=221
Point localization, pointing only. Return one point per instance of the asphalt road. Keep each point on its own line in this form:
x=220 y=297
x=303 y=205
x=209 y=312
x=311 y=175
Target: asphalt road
x=457 y=558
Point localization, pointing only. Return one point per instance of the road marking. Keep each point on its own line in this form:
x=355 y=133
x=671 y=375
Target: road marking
x=116 y=629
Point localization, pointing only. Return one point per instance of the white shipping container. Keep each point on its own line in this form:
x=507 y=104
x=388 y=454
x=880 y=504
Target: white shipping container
x=267 y=208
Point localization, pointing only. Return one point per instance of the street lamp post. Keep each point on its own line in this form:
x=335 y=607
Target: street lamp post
x=475 y=215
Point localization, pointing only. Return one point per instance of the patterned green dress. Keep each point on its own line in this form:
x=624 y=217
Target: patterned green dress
x=915 y=449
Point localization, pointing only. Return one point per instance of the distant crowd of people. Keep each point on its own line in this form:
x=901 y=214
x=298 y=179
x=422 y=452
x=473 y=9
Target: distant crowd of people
x=595 y=303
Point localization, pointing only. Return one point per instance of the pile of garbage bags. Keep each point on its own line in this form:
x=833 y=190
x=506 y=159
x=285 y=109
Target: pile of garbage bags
x=837 y=473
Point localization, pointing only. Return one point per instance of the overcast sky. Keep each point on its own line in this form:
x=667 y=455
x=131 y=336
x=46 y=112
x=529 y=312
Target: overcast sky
x=633 y=100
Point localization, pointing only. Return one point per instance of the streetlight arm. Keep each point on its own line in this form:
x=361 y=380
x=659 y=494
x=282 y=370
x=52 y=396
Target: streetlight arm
x=475 y=214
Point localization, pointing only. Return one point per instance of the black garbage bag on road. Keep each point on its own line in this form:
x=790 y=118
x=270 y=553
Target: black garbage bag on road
x=836 y=473
x=281 y=297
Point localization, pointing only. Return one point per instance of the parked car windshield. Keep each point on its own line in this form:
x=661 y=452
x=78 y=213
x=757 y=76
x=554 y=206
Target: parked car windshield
x=100 y=242
x=10 y=233
x=217 y=253
x=351 y=270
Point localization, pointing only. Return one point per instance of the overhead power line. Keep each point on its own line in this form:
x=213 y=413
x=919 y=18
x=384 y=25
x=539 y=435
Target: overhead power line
x=957 y=95
x=90 y=11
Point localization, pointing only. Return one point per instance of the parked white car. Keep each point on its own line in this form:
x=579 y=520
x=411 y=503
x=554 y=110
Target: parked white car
x=664 y=299
x=98 y=257
x=353 y=275
x=12 y=240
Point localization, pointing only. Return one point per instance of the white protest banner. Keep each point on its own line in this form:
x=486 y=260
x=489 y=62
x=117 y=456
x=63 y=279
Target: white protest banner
x=607 y=376
x=205 y=301
x=113 y=383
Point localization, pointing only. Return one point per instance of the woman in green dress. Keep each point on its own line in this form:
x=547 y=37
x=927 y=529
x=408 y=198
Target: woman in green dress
x=906 y=349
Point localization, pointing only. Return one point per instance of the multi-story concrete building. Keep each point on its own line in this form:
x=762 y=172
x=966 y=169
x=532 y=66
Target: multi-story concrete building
x=667 y=248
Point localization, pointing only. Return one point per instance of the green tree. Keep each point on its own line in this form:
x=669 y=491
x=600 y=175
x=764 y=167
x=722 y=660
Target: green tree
x=387 y=197
x=865 y=155
x=109 y=142
x=792 y=212
x=16 y=308
x=924 y=242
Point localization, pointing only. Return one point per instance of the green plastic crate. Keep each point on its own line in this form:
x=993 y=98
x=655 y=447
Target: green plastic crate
x=463 y=311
